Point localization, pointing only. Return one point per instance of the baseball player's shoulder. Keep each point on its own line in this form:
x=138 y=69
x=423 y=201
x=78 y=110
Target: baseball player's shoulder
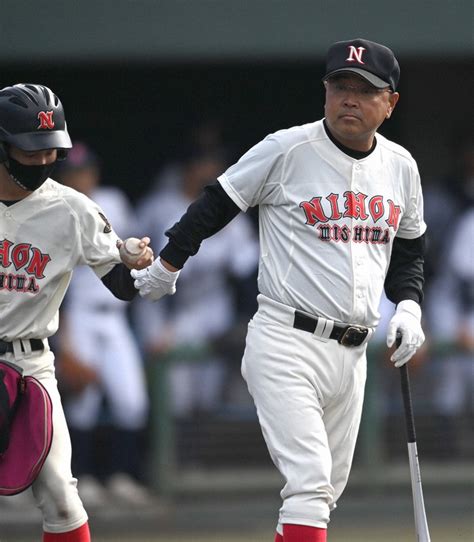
x=396 y=150
x=289 y=138
x=58 y=190
x=77 y=203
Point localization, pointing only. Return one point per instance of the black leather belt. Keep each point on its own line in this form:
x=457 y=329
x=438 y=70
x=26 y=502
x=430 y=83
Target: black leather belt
x=345 y=334
x=36 y=344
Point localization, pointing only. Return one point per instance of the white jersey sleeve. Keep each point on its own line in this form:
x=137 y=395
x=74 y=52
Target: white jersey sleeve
x=412 y=224
x=86 y=293
x=254 y=179
x=96 y=240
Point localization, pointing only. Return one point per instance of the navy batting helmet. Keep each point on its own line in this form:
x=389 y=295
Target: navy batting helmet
x=32 y=119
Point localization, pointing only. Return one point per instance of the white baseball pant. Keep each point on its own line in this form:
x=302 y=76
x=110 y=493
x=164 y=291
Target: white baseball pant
x=308 y=392
x=55 y=489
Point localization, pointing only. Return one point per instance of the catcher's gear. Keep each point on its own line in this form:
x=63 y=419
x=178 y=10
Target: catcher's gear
x=26 y=428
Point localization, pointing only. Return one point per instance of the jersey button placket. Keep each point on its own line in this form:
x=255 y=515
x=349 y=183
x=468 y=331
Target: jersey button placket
x=359 y=268
x=355 y=253
x=358 y=291
x=355 y=178
x=8 y=224
x=3 y=233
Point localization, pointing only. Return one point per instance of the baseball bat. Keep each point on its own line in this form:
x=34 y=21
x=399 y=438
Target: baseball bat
x=421 y=523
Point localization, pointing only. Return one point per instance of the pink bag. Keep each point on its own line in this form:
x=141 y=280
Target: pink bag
x=26 y=428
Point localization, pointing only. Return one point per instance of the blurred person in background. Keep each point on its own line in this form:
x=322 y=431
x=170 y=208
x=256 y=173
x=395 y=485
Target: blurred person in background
x=195 y=327
x=450 y=313
x=446 y=197
x=100 y=364
x=205 y=135
x=443 y=367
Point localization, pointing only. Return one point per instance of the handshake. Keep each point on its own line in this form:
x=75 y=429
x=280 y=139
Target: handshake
x=155 y=281
x=152 y=279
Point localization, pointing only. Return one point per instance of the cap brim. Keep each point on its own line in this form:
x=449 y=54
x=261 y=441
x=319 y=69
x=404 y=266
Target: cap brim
x=32 y=141
x=370 y=77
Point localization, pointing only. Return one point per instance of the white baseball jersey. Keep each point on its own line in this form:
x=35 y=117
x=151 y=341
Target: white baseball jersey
x=42 y=238
x=327 y=221
x=85 y=292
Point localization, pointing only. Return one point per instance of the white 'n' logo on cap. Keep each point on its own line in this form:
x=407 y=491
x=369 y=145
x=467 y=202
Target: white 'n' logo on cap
x=355 y=54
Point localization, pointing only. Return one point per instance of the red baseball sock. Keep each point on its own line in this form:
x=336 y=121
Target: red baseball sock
x=81 y=534
x=303 y=533
x=278 y=537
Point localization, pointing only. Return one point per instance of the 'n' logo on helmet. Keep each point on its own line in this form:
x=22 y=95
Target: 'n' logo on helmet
x=46 y=120
x=355 y=54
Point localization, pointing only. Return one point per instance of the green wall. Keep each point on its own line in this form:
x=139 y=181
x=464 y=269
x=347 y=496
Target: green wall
x=46 y=30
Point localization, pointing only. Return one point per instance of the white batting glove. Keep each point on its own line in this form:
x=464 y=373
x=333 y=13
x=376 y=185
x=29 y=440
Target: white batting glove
x=406 y=322
x=155 y=281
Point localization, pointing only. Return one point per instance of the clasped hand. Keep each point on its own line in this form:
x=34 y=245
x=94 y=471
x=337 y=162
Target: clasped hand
x=155 y=281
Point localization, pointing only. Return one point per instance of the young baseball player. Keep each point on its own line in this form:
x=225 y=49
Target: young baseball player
x=46 y=230
x=95 y=334
x=341 y=217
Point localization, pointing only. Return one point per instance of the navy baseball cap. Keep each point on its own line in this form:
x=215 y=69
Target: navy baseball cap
x=372 y=61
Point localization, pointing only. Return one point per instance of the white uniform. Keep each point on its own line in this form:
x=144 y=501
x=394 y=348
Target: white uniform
x=327 y=224
x=42 y=238
x=100 y=336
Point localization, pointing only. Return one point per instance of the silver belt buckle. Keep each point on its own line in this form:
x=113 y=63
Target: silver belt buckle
x=346 y=338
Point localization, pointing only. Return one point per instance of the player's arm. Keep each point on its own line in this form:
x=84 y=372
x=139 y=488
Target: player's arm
x=119 y=282
x=245 y=184
x=404 y=287
x=212 y=210
x=405 y=276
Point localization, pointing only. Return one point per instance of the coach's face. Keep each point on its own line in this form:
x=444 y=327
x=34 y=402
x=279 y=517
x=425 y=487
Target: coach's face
x=355 y=109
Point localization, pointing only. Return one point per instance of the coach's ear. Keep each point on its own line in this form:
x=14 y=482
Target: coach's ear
x=392 y=102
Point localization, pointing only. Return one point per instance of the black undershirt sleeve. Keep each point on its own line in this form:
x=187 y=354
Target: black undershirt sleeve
x=405 y=275
x=119 y=281
x=211 y=211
